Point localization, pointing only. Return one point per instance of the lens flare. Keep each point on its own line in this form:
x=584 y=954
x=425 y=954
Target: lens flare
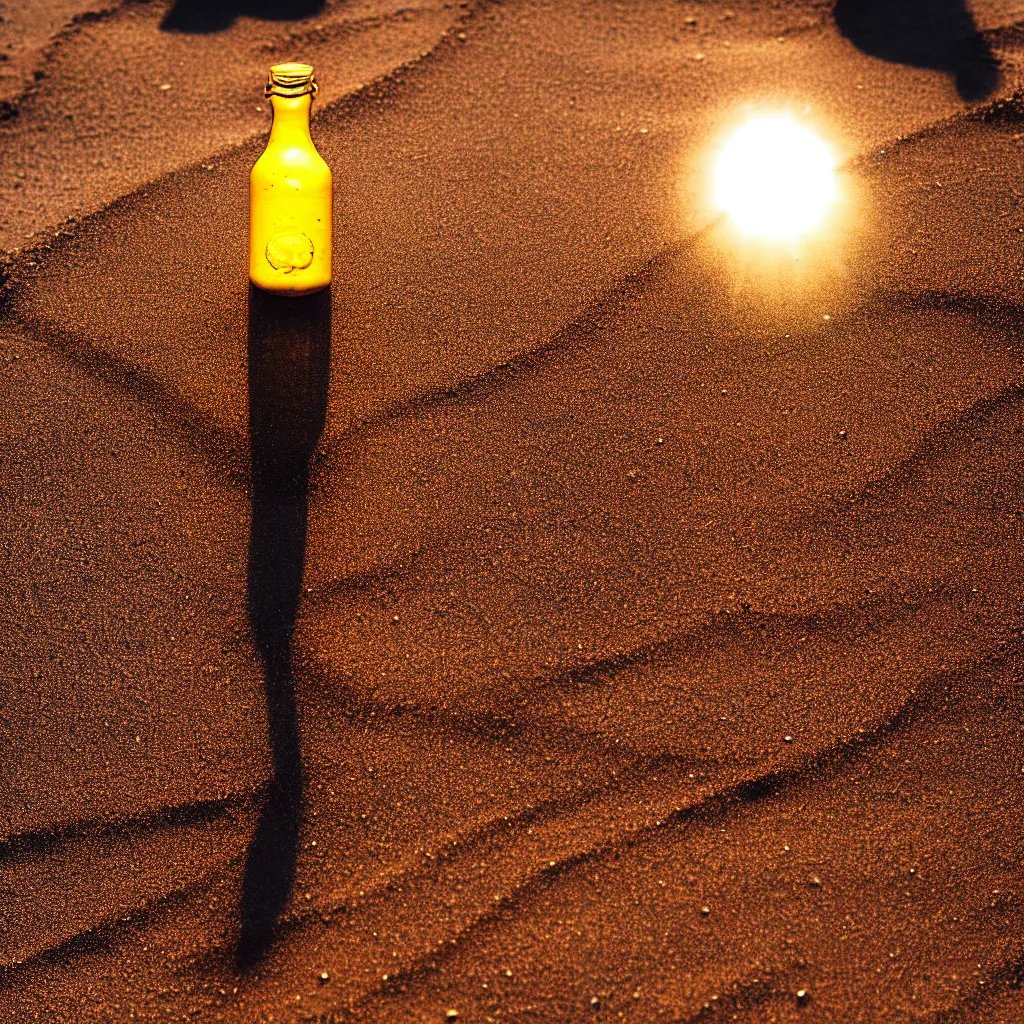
x=775 y=178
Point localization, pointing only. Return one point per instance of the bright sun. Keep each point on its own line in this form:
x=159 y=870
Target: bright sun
x=775 y=178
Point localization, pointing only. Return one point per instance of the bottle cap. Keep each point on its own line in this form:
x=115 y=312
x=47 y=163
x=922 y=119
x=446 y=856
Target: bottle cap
x=291 y=80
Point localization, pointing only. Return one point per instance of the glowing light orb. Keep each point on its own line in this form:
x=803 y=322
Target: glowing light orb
x=775 y=178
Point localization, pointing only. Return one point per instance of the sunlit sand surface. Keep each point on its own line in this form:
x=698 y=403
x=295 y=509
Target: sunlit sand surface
x=648 y=564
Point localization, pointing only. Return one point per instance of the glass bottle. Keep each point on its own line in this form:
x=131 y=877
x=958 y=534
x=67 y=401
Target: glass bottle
x=290 y=194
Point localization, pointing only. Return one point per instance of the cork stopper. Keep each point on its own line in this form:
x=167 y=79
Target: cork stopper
x=291 y=79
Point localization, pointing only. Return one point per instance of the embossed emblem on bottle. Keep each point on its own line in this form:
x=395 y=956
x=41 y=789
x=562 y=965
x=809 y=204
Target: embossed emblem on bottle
x=290 y=250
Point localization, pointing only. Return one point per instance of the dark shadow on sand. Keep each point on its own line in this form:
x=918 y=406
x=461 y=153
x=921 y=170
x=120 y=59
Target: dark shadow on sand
x=289 y=360
x=938 y=34
x=217 y=15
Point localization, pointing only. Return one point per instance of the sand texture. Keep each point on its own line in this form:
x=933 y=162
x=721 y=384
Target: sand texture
x=572 y=615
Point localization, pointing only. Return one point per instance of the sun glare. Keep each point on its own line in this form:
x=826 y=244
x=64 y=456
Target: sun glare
x=775 y=178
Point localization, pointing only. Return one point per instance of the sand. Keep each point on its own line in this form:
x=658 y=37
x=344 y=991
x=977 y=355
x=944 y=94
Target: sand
x=573 y=615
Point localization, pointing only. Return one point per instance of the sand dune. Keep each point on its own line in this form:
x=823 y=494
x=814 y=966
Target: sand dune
x=638 y=577
x=93 y=123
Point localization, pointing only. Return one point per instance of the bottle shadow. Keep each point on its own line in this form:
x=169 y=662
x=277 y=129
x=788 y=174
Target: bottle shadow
x=289 y=343
x=217 y=15
x=939 y=34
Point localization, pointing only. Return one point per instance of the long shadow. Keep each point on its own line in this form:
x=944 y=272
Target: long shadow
x=217 y=15
x=289 y=360
x=938 y=34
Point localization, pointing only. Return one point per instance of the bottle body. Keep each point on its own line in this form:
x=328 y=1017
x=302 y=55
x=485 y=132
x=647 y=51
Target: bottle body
x=290 y=206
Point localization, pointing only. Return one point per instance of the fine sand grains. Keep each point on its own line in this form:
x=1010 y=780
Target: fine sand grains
x=657 y=644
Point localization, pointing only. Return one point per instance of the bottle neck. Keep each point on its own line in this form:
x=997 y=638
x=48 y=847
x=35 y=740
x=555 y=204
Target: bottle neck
x=291 y=120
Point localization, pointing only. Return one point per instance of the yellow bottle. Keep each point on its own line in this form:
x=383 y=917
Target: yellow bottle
x=290 y=194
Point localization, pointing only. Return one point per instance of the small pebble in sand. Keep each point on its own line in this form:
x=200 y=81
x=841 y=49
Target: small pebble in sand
x=595 y=1002
x=787 y=739
x=165 y=87
x=698 y=56
x=815 y=881
x=802 y=995
x=705 y=911
x=452 y=1014
x=324 y=976
x=508 y=972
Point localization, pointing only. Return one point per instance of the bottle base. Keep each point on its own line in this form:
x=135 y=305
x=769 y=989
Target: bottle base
x=294 y=292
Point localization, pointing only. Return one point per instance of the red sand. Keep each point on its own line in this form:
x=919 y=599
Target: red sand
x=602 y=513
